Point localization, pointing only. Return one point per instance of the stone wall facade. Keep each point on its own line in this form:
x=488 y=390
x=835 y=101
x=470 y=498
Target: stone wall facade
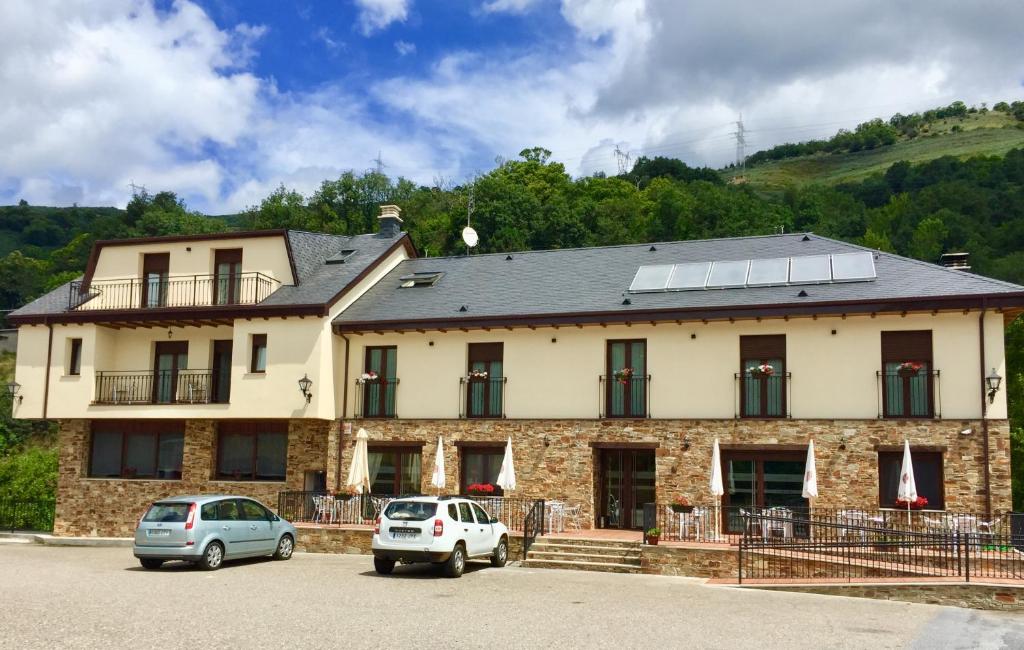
x=1001 y=597
x=558 y=458
x=112 y=507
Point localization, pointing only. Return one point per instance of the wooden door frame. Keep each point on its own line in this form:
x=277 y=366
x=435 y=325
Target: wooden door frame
x=627 y=399
x=628 y=460
x=155 y=263
x=215 y=396
x=382 y=379
x=488 y=383
x=227 y=256
x=175 y=348
x=758 y=457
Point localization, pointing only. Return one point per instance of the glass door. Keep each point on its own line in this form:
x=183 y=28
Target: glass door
x=626 y=379
x=155 y=269
x=761 y=479
x=627 y=482
x=221 y=375
x=171 y=357
x=227 y=287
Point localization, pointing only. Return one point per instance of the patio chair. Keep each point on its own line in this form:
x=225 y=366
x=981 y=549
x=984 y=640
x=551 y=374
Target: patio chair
x=572 y=513
x=853 y=523
x=779 y=523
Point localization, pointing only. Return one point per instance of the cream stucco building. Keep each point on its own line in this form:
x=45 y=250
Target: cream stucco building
x=174 y=366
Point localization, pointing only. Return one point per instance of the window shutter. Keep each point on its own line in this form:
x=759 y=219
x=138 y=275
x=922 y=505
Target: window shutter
x=912 y=345
x=772 y=346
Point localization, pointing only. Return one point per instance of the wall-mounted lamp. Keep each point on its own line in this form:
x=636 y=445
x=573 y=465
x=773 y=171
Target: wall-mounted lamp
x=304 y=385
x=13 y=388
x=993 y=381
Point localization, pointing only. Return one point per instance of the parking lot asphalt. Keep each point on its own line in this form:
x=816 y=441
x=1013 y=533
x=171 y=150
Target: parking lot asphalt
x=101 y=598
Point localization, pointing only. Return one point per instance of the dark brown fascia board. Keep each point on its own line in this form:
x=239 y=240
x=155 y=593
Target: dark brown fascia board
x=1009 y=299
x=403 y=241
x=170 y=313
x=94 y=254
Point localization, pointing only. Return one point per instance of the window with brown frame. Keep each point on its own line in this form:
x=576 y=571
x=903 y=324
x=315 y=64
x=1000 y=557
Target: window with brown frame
x=136 y=450
x=485 y=381
x=481 y=465
x=626 y=381
x=75 y=357
x=928 y=477
x=394 y=470
x=252 y=451
x=258 y=363
x=763 y=376
x=907 y=376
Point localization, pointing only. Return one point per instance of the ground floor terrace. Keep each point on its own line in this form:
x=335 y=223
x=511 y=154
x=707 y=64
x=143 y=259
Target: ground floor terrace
x=591 y=474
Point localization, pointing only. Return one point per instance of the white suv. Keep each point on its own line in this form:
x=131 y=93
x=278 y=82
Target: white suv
x=444 y=530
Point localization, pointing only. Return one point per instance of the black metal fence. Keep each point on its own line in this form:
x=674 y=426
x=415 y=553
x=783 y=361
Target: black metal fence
x=377 y=398
x=26 y=515
x=624 y=397
x=324 y=508
x=154 y=387
x=247 y=288
x=533 y=525
x=811 y=545
x=482 y=398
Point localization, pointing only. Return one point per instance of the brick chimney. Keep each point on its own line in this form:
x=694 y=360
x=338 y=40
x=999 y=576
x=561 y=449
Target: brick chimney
x=390 y=224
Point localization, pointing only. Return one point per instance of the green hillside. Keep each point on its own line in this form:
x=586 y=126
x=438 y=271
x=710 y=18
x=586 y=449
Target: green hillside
x=978 y=134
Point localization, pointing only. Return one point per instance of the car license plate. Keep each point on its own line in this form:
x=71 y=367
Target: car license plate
x=405 y=533
x=158 y=533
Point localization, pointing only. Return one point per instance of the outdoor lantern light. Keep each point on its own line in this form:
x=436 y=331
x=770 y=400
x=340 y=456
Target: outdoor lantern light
x=12 y=389
x=993 y=381
x=304 y=385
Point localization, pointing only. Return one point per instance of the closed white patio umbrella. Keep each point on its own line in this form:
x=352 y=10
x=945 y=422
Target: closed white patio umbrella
x=908 y=486
x=717 y=489
x=359 y=470
x=810 y=490
x=437 y=478
x=507 y=475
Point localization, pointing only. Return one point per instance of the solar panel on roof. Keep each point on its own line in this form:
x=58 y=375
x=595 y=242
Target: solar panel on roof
x=851 y=267
x=691 y=275
x=809 y=269
x=651 y=278
x=766 y=272
x=728 y=274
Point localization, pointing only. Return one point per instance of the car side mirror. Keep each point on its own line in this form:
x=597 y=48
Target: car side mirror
x=494 y=520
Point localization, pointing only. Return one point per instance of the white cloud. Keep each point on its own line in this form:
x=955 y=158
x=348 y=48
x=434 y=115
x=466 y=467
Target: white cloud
x=375 y=15
x=404 y=48
x=98 y=93
x=509 y=6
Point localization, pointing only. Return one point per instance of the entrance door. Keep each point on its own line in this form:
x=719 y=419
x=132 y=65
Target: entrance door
x=155 y=267
x=228 y=269
x=626 y=483
x=171 y=357
x=221 y=379
x=766 y=479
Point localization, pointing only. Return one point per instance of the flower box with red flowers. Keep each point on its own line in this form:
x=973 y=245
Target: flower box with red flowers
x=909 y=369
x=761 y=371
x=682 y=504
x=920 y=503
x=480 y=489
x=622 y=375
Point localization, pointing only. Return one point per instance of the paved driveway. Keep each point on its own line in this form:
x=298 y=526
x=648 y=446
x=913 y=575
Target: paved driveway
x=100 y=598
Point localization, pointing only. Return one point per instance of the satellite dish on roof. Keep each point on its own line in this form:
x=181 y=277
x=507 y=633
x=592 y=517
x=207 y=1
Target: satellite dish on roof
x=470 y=237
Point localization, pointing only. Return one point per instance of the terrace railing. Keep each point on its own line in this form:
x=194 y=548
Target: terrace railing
x=906 y=396
x=763 y=396
x=320 y=507
x=628 y=397
x=377 y=398
x=482 y=398
x=533 y=525
x=154 y=387
x=27 y=514
x=248 y=288
x=863 y=546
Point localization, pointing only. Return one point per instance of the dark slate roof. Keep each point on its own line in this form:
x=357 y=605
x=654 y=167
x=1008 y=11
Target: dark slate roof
x=595 y=281
x=318 y=282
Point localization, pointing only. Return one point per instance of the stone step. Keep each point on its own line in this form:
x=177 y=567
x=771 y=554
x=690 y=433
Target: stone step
x=571 y=542
x=608 y=567
x=612 y=558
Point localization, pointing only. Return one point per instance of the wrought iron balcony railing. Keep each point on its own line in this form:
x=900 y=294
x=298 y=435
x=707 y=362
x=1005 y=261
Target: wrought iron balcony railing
x=763 y=396
x=377 y=398
x=624 y=397
x=173 y=291
x=482 y=397
x=156 y=387
x=909 y=394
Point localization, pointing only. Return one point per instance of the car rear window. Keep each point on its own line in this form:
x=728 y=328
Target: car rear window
x=410 y=510
x=170 y=512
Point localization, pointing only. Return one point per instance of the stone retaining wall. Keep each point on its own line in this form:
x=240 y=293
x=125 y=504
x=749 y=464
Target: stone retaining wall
x=1008 y=598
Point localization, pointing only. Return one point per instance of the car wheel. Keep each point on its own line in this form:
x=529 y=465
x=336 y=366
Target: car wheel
x=383 y=566
x=285 y=547
x=456 y=562
x=150 y=563
x=213 y=557
x=500 y=555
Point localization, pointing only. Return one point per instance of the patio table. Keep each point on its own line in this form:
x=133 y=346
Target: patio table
x=689 y=520
x=554 y=513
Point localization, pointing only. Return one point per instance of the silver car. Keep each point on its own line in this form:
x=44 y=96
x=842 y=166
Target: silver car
x=206 y=530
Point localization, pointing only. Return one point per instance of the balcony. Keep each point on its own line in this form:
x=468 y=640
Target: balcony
x=909 y=394
x=130 y=388
x=376 y=398
x=171 y=292
x=482 y=398
x=762 y=396
x=624 y=397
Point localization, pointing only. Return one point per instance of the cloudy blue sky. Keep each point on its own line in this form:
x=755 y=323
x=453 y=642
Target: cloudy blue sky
x=223 y=100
